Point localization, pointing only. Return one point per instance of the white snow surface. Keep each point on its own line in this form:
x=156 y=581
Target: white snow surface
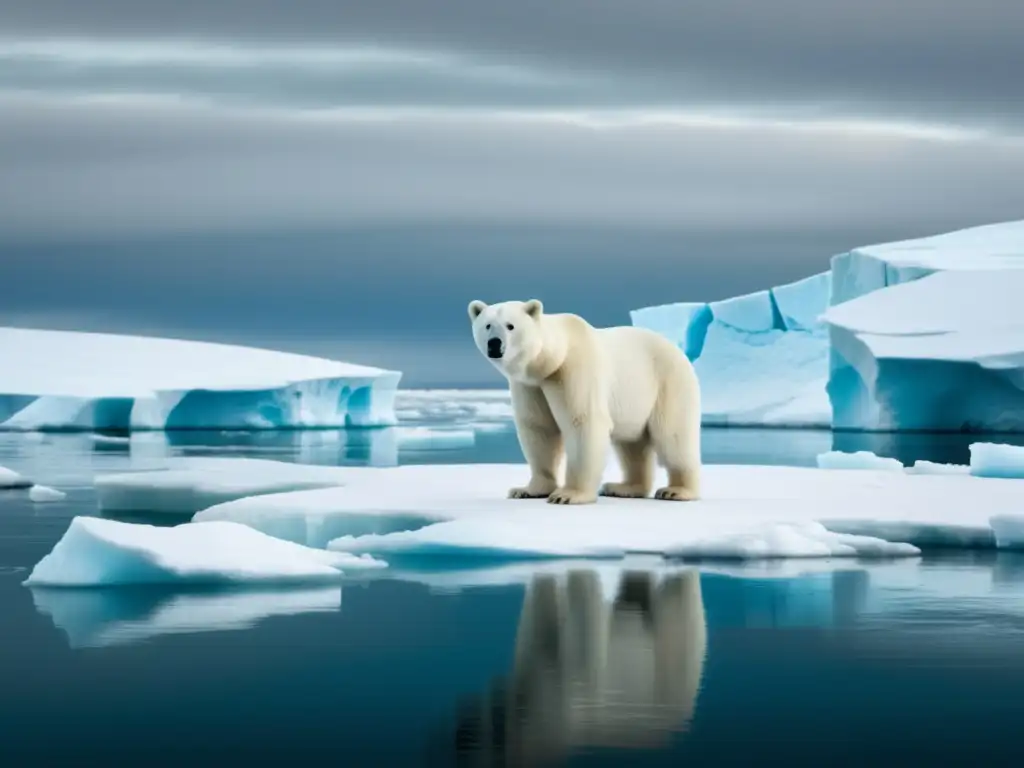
x=187 y=484
x=746 y=512
x=74 y=380
x=11 y=479
x=96 y=553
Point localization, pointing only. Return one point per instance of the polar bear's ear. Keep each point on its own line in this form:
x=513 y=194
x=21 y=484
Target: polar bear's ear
x=534 y=308
x=475 y=308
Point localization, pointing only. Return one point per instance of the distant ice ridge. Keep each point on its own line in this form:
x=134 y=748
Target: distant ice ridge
x=762 y=358
x=59 y=380
x=923 y=334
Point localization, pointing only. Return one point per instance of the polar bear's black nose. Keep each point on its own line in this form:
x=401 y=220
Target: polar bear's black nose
x=494 y=348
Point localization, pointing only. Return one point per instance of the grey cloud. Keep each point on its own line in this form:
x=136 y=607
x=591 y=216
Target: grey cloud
x=924 y=59
x=97 y=170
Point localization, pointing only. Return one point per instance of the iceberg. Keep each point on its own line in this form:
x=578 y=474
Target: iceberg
x=63 y=380
x=762 y=358
x=10 y=479
x=748 y=512
x=101 y=553
x=186 y=485
x=928 y=334
x=924 y=334
x=100 y=618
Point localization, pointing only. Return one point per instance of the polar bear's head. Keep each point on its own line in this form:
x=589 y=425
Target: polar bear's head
x=508 y=334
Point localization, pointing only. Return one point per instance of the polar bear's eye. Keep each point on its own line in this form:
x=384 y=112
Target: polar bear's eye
x=510 y=326
x=487 y=327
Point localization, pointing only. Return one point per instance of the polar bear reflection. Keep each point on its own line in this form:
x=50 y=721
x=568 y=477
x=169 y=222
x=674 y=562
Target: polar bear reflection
x=592 y=674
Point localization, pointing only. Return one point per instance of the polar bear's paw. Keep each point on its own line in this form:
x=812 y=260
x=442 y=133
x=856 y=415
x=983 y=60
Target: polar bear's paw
x=569 y=496
x=623 y=490
x=676 y=493
x=529 y=492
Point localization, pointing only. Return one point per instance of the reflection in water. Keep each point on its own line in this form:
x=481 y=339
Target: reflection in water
x=94 y=618
x=589 y=673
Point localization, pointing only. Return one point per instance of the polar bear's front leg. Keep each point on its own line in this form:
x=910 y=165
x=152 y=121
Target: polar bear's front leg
x=586 y=450
x=580 y=407
x=540 y=440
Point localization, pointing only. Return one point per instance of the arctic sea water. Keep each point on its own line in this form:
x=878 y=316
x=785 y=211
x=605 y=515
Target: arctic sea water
x=874 y=662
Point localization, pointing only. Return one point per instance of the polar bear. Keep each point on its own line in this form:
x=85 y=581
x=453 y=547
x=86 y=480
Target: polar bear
x=575 y=387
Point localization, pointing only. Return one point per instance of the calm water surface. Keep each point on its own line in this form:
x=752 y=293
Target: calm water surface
x=577 y=663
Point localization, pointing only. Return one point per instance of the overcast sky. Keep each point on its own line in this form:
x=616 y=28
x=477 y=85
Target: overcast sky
x=343 y=176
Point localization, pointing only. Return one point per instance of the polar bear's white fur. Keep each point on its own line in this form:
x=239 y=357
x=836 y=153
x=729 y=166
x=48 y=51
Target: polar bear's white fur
x=575 y=387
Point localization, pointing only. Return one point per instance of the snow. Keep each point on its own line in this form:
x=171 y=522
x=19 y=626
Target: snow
x=186 y=485
x=95 y=553
x=927 y=334
x=747 y=512
x=857 y=460
x=98 y=618
x=994 y=460
x=11 y=479
x=90 y=381
x=762 y=358
x=42 y=494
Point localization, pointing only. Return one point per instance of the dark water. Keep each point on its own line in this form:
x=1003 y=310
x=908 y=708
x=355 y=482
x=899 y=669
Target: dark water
x=917 y=662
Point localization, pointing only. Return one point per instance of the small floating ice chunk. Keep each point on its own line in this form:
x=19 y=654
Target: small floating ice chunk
x=857 y=460
x=95 y=552
x=42 y=494
x=997 y=460
x=11 y=479
x=425 y=438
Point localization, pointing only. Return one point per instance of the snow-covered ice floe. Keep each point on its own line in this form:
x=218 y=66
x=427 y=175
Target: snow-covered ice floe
x=186 y=485
x=746 y=512
x=91 y=381
x=97 y=618
x=98 y=553
x=11 y=479
x=923 y=334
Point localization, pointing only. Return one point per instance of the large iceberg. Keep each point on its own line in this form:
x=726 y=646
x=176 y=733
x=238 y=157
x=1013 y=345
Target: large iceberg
x=60 y=380
x=929 y=334
x=923 y=334
x=762 y=358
